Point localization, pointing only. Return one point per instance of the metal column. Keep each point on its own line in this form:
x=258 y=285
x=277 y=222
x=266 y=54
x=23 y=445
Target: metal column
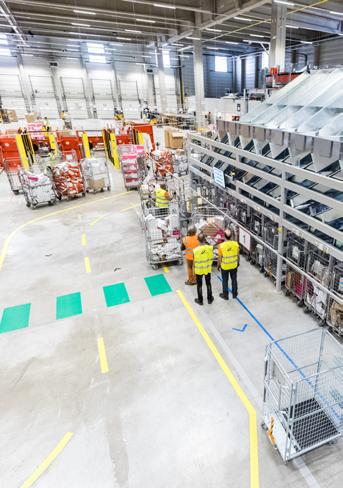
x=278 y=37
x=162 y=82
x=199 y=83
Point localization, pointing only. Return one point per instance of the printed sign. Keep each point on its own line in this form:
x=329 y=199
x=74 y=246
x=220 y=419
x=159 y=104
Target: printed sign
x=244 y=238
x=219 y=177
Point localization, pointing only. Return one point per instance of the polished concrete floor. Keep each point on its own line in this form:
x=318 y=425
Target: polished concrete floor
x=165 y=415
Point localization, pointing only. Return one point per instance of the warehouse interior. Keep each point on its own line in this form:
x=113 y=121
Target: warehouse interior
x=148 y=149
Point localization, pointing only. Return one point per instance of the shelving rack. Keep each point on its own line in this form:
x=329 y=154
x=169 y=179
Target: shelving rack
x=284 y=162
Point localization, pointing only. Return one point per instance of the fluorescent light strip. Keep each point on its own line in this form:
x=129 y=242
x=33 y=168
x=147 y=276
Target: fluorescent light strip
x=335 y=13
x=306 y=42
x=86 y=12
x=80 y=25
x=133 y=31
x=176 y=44
x=214 y=48
x=257 y=35
x=283 y=2
x=292 y=27
x=124 y=38
x=146 y=20
x=231 y=42
x=193 y=38
x=209 y=29
x=163 y=5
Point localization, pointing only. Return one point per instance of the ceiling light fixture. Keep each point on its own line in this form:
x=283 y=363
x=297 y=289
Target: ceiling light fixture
x=149 y=21
x=306 y=42
x=80 y=25
x=231 y=42
x=283 y=2
x=333 y=12
x=243 y=18
x=86 y=12
x=292 y=27
x=193 y=38
x=124 y=38
x=133 y=31
x=248 y=41
x=213 y=30
x=214 y=48
x=256 y=35
x=164 y=5
x=176 y=44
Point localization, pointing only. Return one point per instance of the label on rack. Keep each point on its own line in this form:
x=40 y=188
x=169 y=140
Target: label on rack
x=219 y=177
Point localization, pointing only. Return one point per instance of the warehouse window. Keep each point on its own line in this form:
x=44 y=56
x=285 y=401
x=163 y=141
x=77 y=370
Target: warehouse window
x=95 y=48
x=3 y=39
x=97 y=59
x=220 y=64
x=166 y=59
x=5 y=52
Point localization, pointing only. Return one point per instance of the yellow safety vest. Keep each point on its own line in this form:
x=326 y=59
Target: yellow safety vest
x=230 y=252
x=161 y=200
x=203 y=257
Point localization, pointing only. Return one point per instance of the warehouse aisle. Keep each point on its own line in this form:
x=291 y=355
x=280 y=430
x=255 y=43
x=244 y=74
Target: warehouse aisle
x=160 y=413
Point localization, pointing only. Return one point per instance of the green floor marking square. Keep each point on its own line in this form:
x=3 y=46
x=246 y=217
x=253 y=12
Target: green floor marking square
x=15 y=317
x=157 y=284
x=68 y=305
x=116 y=294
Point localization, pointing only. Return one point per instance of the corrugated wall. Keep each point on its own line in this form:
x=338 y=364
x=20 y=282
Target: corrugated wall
x=188 y=76
x=331 y=53
x=216 y=84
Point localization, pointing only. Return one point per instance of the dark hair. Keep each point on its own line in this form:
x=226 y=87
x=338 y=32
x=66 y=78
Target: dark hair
x=191 y=230
x=228 y=233
x=201 y=237
x=163 y=186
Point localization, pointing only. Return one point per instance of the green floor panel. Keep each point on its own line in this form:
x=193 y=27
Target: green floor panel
x=68 y=305
x=116 y=294
x=15 y=317
x=157 y=284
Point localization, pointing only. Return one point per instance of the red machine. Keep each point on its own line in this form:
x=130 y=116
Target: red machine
x=69 y=143
x=9 y=152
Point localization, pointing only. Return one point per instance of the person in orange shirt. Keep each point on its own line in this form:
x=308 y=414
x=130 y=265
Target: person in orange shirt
x=189 y=243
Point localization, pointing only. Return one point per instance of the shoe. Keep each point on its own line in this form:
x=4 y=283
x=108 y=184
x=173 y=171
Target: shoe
x=188 y=282
x=224 y=297
x=198 y=301
x=211 y=300
x=234 y=296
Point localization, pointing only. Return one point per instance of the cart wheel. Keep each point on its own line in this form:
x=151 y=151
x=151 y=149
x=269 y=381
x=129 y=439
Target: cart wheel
x=322 y=323
x=16 y=192
x=28 y=204
x=83 y=193
x=154 y=266
x=261 y=270
x=306 y=310
x=287 y=293
x=109 y=188
x=264 y=426
x=180 y=262
x=300 y=303
x=59 y=197
x=101 y=190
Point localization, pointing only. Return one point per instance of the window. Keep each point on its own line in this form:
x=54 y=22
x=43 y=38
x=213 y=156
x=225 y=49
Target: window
x=166 y=59
x=5 y=52
x=220 y=64
x=95 y=48
x=97 y=59
x=3 y=39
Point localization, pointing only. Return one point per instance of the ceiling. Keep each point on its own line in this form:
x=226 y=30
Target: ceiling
x=47 y=28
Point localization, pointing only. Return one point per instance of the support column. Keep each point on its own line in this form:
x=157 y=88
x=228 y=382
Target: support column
x=199 y=83
x=316 y=60
x=162 y=82
x=278 y=37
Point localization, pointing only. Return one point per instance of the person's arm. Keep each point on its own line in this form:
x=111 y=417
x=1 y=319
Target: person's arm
x=183 y=247
x=168 y=197
x=219 y=264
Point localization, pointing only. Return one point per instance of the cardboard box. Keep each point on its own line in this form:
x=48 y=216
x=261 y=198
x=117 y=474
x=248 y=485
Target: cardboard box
x=97 y=184
x=173 y=138
x=31 y=117
x=12 y=115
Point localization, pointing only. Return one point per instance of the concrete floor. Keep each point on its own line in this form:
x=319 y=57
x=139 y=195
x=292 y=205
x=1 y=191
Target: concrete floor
x=165 y=415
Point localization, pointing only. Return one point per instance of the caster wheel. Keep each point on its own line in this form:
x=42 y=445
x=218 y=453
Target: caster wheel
x=83 y=194
x=287 y=293
x=306 y=310
x=264 y=426
x=28 y=204
x=300 y=303
x=102 y=190
x=154 y=266
x=322 y=323
x=108 y=188
x=16 y=192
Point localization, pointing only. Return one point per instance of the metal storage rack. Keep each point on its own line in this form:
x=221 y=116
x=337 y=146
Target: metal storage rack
x=289 y=173
x=303 y=392
x=295 y=253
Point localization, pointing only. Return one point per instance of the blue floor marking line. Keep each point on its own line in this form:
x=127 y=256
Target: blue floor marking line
x=280 y=348
x=243 y=329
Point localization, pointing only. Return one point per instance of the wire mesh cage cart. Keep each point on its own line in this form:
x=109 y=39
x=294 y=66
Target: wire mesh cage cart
x=315 y=299
x=161 y=227
x=38 y=189
x=212 y=223
x=96 y=174
x=271 y=237
x=303 y=392
x=334 y=317
x=11 y=167
x=295 y=281
x=242 y=214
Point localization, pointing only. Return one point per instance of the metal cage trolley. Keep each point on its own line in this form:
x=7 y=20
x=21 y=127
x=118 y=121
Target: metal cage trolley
x=96 y=173
x=11 y=167
x=294 y=280
x=334 y=318
x=316 y=299
x=303 y=392
x=37 y=189
x=162 y=235
x=212 y=223
x=271 y=237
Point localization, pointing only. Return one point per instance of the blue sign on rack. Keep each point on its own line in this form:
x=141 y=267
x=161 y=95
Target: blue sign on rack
x=219 y=178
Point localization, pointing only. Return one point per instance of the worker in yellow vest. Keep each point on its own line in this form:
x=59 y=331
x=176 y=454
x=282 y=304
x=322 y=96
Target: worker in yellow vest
x=228 y=262
x=202 y=259
x=162 y=196
x=189 y=243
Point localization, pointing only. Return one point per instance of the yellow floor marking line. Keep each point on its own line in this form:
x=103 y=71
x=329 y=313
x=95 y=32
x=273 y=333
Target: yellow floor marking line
x=102 y=355
x=10 y=236
x=95 y=221
x=254 y=463
x=87 y=264
x=47 y=461
x=129 y=208
x=166 y=269
x=84 y=240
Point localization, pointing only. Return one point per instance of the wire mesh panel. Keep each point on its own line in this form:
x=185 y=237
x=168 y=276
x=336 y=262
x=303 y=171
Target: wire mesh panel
x=256 y=224
x=270 y=263
x=295 y=252
x=270 y=233
x=334 y=317
x=257 y=253
x=212 y=223
x=11 y=166
x=315 y=298
x=242 y=214
x=303 y=392
x=162 y=235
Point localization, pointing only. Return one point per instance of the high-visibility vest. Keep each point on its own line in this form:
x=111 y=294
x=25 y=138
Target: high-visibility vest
x=161 y=200
x=190 y=243
x=203 y=257
x=229 y=251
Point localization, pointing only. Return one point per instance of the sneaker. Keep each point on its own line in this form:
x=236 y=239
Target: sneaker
x=188 y=283
x=224 y=297
x=198 y=301
x=211 y=300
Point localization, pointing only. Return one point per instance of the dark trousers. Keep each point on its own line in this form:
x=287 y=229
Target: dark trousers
x=208 y=286
x=225 y=280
